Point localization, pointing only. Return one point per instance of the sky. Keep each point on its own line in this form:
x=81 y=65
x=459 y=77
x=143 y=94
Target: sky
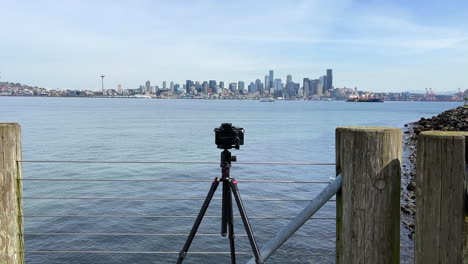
x=374 y=45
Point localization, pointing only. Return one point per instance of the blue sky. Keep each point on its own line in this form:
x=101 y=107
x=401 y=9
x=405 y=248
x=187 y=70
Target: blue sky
x=374 y=45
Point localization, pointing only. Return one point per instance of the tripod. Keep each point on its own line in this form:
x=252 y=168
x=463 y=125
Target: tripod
x=227 y=220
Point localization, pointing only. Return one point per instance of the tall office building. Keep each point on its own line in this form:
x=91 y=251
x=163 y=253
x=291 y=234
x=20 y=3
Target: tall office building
x=188 y=85
x=197 y=85
x=212 y=84
x=322 y=82
x=267 y=86
x=233 y=87
x=240 y=86
x=221 y=84
x=261 y=89
x=164 y=85
x=305 y=87
x=315 y=87
x=205 y=87
x=270 y=79
x=148 y=86
x=311 y=87
x=259 y=86
x=277 y=85
x=171 y=86
x=290 y=92
x=319 y=88
x=289 y=87
x=297 y=88
x=329 y=81
x=252 y=88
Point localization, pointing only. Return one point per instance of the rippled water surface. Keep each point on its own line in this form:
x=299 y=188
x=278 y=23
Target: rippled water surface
x=148 y=130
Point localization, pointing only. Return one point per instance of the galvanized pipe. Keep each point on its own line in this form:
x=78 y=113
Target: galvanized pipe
x=283 y=235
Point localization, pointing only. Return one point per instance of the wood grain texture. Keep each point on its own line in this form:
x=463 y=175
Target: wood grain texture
x=339 y=198
x=440 y=197
x=11 y=243
x=465 y=230
x=368 y=207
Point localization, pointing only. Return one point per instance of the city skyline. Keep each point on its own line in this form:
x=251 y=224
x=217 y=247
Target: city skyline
x=312 y=88
x=271 y=81
x=374 y=45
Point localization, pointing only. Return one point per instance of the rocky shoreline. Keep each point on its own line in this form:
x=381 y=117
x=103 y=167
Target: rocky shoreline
x=451 y=120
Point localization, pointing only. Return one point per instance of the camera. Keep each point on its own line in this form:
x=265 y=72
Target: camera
x=229 y=136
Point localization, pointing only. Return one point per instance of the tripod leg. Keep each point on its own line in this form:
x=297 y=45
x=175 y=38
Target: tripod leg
x=230 y=223
x=245 y=220
x=202 y=212
x=224 y=208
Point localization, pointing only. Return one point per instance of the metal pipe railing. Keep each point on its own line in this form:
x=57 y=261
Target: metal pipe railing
x=154 y=198
x=164 y=180
x=107 y=252
x=283 y=235
x=146 y=234
x=176 y=162
x=153 y=216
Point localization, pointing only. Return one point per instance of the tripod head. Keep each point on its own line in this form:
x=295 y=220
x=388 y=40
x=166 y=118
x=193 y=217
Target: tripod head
x=226 y=159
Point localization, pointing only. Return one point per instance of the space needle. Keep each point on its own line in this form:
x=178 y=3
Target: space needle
x=102 y=79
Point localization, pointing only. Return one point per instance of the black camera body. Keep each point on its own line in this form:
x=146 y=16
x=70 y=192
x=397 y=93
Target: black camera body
x=229 y=136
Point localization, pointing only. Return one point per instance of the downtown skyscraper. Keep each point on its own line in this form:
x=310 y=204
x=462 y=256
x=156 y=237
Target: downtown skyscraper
x=270 y=79
x=329 y=80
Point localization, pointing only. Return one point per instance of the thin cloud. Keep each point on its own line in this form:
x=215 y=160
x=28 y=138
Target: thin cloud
x=71 y=42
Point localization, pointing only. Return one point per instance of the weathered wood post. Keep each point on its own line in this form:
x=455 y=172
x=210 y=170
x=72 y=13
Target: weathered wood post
x=11 y=224
x=368 y=205
x=440 y=197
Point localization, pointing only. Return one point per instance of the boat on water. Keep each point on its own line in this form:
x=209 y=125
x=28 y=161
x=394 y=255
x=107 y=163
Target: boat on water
x=365 y=100
x=267 y=100
x=141 y=96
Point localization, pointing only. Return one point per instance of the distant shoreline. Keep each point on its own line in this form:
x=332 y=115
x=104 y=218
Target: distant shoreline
x=218 y=99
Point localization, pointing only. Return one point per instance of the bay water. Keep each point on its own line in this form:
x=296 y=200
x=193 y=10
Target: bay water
x=95 y=129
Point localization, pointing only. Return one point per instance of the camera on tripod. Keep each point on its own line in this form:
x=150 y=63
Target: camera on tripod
x=229 y=136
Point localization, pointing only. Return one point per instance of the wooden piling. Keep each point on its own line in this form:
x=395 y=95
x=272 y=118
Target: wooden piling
x=440 y=197
x=368 y=205
x=11 y=224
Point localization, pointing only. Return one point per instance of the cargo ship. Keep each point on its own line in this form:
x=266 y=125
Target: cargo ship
x=365 y=100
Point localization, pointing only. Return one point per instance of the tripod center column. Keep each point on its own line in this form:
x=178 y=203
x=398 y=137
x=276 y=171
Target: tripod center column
x=225 y=163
